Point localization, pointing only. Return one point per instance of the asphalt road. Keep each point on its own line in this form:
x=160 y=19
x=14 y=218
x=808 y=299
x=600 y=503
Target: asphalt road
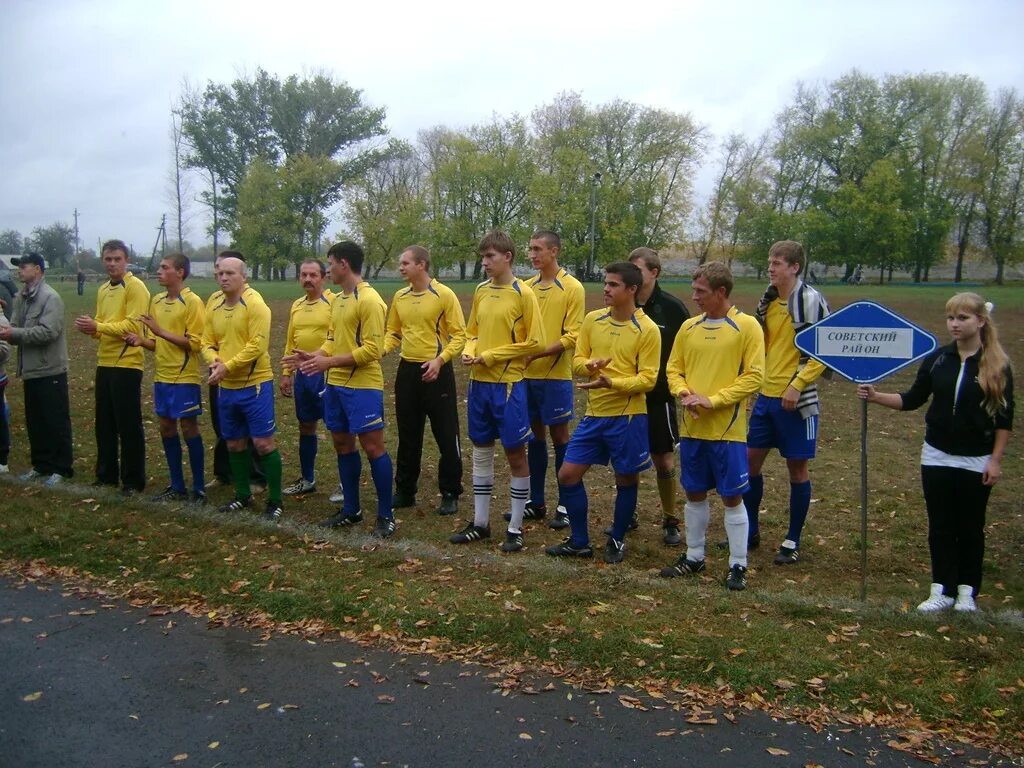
x=85 y=683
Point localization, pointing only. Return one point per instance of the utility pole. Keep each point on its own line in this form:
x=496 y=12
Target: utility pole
x=78 y=262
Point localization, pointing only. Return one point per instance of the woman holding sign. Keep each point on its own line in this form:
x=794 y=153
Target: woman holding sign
x=967 y=428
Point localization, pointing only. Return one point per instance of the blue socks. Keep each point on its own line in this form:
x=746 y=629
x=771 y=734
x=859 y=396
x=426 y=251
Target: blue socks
x=752 y=501
x=574 y=499
x=537 y=459
x=197 y=462
x=172 y=450
x=350 y=466
x=799 y=504
x=625 y=506
x=383 y=474
x=307 y=456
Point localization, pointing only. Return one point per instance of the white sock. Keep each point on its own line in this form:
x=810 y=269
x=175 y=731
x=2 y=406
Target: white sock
x=483 y=484
x=520 y=494
x=736 y=527
x=696 y=515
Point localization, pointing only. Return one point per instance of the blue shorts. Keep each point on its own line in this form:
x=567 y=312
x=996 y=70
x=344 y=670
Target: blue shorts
x=308 y=392
x=177 y=401
x=246 y=412
x=771 y=426
x=549 y=401
x=498 y=411
x=621 y=439
x=351 y=410
x=718 y=464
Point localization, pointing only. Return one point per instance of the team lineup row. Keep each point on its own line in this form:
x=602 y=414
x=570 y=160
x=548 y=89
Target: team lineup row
x=525 y=342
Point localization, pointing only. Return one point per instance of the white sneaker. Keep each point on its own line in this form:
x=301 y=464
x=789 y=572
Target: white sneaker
x=30 y=475
x=300 y=486
x=54 y=480
x=965 y=598
x=936 y=601
x=338 y=496
x=4 y=469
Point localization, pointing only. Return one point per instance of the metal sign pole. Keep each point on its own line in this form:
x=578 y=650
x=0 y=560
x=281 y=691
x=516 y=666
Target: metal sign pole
x=863 y=500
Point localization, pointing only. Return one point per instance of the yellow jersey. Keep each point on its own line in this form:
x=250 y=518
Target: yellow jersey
x=118 y=307
x=357 y=328
x=561 y=304
x=183 y=316
x=634 y=348
x=504 y=326
x=782 y=358
x=308 y=323
x=239 y=336
x=722 y=360
x=426 y=325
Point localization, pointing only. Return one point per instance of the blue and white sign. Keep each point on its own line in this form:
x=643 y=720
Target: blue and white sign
x=865 y=342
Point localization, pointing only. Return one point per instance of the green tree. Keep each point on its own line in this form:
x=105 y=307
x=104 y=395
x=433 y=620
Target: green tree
x=55 y=243
x=10 y=241
x=1001 y=200
x=266 y=221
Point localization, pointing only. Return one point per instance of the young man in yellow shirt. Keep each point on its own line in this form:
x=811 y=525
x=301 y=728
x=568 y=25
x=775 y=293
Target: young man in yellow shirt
x=717 y=363
x=120 y=302
x=426 y=323
x=504 y=328
x=173 y=330
x=619 y=352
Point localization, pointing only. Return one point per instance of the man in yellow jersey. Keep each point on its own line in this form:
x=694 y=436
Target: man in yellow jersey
x=236 y=340
x=174 y=331
x=221 y=460
x=308 y=324
x=717 y=363
x=426 y=323
x=120 y=302
x=504 y=328
x=549 y=390
x=618 y=351
x=354 y=398
x=785 y=415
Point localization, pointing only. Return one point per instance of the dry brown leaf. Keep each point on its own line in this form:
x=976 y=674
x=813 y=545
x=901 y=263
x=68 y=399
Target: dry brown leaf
x=180 y=757
x=213 y=745
x=525 y=737
x=777 y=751
x=32 y=696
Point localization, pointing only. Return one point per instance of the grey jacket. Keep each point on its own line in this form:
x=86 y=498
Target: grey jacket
x=37 y=328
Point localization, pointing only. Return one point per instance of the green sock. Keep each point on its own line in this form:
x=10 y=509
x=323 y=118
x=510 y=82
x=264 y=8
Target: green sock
x=667 y=492
x=239 y=461
x=271 y=463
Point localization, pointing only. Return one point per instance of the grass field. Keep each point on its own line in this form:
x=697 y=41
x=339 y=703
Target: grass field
x=798 y=640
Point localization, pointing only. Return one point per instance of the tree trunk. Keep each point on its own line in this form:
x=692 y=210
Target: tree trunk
x=462 y=270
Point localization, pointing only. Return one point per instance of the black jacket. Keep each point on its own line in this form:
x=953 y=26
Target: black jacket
x=963 y=429
x=668 y=313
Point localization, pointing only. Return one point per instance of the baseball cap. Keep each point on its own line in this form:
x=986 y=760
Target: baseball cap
x=32 y=258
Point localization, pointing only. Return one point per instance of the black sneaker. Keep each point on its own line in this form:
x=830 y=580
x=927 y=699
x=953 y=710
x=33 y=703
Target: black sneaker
x=567 y=549
x=560 y=520
x=633 y=525
x=169 y=494
x=403 y=500
x=198 y=499
x=273 y=511
x=787 y=555
x=684 y=566
x=532 y=512
x=449 y=504
x=384 y=528
x=236 y=505
x=342 y=519
x=614 y=551
x=128 y=492
x=513 y=542
x=672 y=537
x=752 y=543
x=736 y=578
x=470 y=533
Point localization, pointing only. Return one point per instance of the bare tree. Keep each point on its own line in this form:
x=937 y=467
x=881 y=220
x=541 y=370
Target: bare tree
x=179 y=180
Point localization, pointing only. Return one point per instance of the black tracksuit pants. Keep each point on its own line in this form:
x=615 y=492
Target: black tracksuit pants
x=956 y=502
x=48 y=421
x=415 y=402
x=119 y=425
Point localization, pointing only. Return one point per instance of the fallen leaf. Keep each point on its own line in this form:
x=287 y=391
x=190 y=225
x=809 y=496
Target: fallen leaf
x=32 y=696
x=339 y=664
x=666 y=733
x=777 y=752
x=181 y=757
x=737 y=651
x=213 y=745
x=525 y=737
x=385 y=699
x=264 y=705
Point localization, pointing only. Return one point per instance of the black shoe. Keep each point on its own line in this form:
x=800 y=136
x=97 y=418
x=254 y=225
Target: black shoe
x=513 y=542
x=560 y=520
x=532 y=512
x=342 y=519
x=169 y=494
x=449 y=504
x=684 y=566
x=633 y=525
x=787 y=555
x=672 y=538
x=384 y=528
x=614 y=551
x=567 y=549
x=103 y=484
x=470 y=533
x=736 y=578
x=128 y=492
x=236 y=505
x=198 y=499
x=752 y=543
x=403 y=500
x=273 y=511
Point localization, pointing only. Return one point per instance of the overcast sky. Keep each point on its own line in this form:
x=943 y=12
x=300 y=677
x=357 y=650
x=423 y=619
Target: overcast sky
x=87 y=87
